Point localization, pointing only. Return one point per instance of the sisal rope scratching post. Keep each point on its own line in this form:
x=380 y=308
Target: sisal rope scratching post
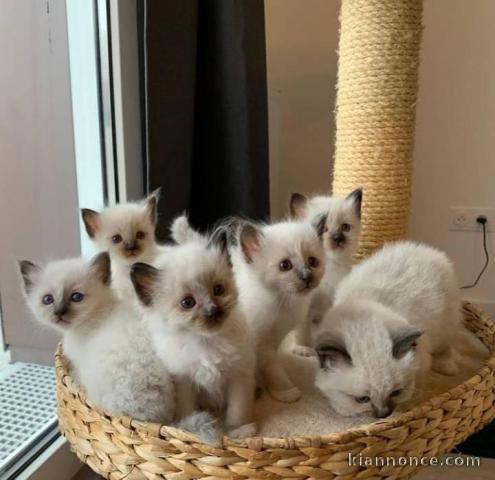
x=375 y=112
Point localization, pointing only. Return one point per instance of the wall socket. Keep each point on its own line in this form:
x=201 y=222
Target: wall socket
x=464 y=218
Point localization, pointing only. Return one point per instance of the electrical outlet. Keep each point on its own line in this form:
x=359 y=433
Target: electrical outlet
x=464 y=218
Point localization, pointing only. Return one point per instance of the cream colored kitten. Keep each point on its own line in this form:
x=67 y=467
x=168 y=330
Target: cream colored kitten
x=393 y=316
x=127 y=232
x=277 y=267
x=340 y=241
x=108 y=349
x=190 y=306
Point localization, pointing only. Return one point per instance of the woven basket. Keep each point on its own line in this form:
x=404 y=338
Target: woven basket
x=119 y=447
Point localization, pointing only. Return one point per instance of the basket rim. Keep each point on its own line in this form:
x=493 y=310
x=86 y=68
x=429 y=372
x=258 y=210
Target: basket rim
x=259 y=443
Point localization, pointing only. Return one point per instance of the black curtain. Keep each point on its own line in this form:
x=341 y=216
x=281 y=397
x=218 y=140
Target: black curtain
x=203 y=70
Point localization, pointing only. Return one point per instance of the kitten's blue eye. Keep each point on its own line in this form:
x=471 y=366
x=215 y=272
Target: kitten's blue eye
x=363 y=399
x=77 y=297
x=188 y=302
x=285 y=265
x=47 y=299
x=345 y=227
x=396 y=393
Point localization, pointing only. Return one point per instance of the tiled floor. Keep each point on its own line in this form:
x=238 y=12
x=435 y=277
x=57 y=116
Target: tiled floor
x=485 y=472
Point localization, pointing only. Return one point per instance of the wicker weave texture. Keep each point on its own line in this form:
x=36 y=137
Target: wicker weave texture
x=375 y=112
x=120 y=448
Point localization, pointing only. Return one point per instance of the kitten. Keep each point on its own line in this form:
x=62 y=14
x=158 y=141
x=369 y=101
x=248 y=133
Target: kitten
x=394 y=316
x=190 y=306
x=127 y=232
x=104 y=341
x=340 y=241
x=277 y=267
x=107 y=346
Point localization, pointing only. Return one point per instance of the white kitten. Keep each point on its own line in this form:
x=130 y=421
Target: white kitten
x=190 y=305
x=127 y=232
x=107 y=346
x=391 y=314
x=340 y=241
x=277 y=267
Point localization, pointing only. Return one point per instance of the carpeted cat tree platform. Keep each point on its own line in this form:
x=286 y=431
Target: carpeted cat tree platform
x=375 y=115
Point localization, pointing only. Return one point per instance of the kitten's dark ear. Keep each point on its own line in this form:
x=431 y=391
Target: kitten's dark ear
x=250 y=239
x=28 y=271
x=152 y=204
x=91 y=221
x=404 y=341
x=319 y=223
x=220 y=239
x=356 y=197
x=144 y=278
x=101 y=266
x=332 y=354
x=297 y=206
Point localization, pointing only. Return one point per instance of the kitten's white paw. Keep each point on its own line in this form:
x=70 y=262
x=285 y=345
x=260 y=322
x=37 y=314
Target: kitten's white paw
x=287 y=396
x=303 y=351
x=247 y=430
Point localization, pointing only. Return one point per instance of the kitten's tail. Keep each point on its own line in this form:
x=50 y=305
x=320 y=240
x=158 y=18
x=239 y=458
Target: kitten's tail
x=204 y=425
x=182 y=232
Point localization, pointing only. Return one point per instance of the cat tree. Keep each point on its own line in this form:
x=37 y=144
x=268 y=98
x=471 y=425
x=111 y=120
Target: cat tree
x=375 y=112
x=377 y=88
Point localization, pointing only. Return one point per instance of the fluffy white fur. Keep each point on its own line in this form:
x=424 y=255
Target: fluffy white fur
x=190 y=306
x=107 y=346
x=127 y=232
x=182 y=232
x=340 y=241
x=395 y=315
x=275 y=298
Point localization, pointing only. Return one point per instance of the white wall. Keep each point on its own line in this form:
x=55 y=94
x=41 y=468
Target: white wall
x=455 y=136
x=38 y=197
x=301 y=37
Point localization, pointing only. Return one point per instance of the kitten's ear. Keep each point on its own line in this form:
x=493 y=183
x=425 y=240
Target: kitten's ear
x=331 y=355
x=144 y=278
x=152 y=204
x=319 y=223
x=404 y=341
x=250 y=239
x=297 y=206
x=356 y=197
x=28 y=271
x=91 y=221
x=102 y=267
x=220 y=239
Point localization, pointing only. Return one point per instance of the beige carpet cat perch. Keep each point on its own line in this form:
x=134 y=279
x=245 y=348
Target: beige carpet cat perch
x=377 y=87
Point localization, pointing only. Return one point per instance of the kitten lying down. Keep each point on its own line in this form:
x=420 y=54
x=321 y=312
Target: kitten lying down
x=395 y=316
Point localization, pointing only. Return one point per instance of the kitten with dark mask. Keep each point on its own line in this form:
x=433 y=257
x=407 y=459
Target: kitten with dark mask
x=340 y=241
x=127 y=232
x=108 y=347
x=190 y=306
x=277 y=268
x=395 y=315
